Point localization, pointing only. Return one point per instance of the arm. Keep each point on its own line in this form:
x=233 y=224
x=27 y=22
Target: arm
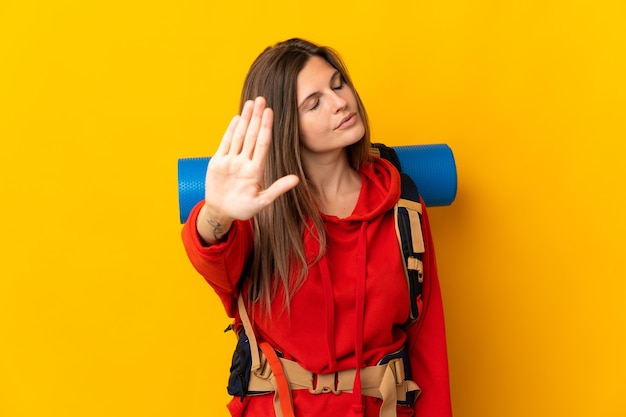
x=220 y=264
x=217 y=235
x=426 y=340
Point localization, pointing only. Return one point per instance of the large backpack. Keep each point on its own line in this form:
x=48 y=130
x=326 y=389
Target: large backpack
x=408 y=223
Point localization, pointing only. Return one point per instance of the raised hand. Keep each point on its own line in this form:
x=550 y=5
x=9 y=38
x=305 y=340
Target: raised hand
x=234 y=178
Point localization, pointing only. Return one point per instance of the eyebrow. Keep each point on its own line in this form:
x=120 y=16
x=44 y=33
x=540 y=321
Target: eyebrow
x=316 y=93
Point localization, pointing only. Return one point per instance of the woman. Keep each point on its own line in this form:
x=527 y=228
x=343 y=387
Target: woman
x=298 y=221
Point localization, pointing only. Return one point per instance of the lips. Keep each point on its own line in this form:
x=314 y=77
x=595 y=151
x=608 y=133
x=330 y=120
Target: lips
x=347 y=121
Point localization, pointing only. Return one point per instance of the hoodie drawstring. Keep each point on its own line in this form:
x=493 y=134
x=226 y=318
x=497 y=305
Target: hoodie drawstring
x=360 y=267
x=329 y=305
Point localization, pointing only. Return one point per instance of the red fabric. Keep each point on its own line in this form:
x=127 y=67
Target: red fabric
x=351 y=308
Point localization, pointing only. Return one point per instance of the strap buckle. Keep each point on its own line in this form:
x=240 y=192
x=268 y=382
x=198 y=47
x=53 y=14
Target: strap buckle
x=397 y=368
x=325 y=383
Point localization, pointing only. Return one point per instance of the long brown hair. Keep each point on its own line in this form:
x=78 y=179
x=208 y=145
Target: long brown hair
x=278 y=257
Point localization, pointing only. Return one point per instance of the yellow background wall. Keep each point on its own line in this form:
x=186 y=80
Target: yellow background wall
x=102 y=315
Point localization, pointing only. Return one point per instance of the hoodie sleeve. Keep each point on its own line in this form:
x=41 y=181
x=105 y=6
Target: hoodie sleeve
x=426 y=340
x=221 y=264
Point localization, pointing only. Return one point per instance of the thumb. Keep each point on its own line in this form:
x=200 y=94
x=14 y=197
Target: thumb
x=278 y=188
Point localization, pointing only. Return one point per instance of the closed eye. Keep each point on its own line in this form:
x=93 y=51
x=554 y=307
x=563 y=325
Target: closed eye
x=336 y=83
x=339 y=86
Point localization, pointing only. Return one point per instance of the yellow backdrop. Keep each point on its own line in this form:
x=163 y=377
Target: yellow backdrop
x=102 y=315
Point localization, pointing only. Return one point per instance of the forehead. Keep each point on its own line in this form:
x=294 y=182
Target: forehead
x=315 y=74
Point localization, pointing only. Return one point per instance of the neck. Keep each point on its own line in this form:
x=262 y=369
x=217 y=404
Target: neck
x=335 y=182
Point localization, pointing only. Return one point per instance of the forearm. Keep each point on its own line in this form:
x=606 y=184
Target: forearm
x=222 y=263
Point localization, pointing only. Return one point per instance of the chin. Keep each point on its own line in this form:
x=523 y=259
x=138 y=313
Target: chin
x=356 y=136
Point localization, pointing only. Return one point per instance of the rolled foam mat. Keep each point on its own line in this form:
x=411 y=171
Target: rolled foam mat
x=432 y=167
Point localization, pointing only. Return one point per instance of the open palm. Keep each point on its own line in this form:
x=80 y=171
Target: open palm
x=234 y=178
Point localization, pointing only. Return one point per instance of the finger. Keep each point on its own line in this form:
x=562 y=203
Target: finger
x=253 y=127
x=224 y=145
x=264 y=138
x=278 y=188
x=241 y=128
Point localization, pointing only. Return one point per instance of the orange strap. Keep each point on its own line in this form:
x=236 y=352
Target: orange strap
x=283 y=392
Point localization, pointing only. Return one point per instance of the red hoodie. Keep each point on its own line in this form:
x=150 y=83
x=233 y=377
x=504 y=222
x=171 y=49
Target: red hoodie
x=350 y=310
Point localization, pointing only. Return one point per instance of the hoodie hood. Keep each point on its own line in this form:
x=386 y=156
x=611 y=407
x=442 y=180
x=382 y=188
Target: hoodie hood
x=380 y=190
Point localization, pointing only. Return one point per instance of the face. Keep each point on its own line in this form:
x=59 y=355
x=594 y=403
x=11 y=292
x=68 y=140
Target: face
x=328 y=114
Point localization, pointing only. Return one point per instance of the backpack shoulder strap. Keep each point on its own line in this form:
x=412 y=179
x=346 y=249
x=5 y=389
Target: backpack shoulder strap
x=386 y=152
x=408 y=219
x=408 y=215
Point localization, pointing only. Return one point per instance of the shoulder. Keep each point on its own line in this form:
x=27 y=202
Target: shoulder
x=380 y=170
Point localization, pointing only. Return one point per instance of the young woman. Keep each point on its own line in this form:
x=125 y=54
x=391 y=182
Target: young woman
x=298 y=221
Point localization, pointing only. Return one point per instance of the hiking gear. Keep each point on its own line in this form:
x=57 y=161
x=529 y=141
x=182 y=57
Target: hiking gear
x=309 y=333
x=239 y=378
x=389 y=380
x=431 y=166
x=386 y=380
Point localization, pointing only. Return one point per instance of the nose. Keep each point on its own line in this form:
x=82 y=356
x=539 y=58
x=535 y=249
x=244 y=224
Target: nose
x=338 y=102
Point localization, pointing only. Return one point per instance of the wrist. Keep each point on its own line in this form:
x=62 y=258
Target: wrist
x=212 y=226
